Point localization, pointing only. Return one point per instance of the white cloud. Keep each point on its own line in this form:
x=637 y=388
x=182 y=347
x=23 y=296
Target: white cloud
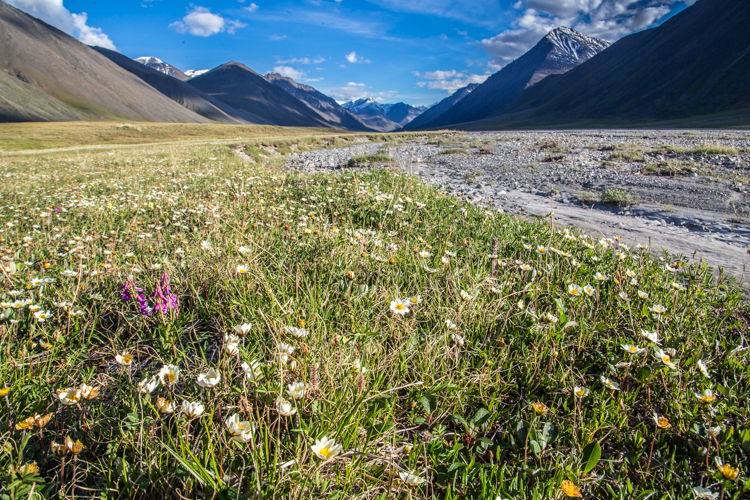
x=276 y=38
x=606 y=19
x=54 y=12
x=200 y=21
x=356 y=90
x=354 y=58
x=448 y=80
x=301 y=60
x=251 y=8
x=289 y=72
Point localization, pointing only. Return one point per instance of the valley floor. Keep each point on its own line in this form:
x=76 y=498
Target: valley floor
x=685 y=191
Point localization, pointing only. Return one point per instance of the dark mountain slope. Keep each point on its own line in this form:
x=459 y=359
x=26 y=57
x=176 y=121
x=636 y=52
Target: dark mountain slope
x=245 y=90
x=558 y=52
x=438 y=109
x=697 y=63
x=46 y=75
x=177 y=90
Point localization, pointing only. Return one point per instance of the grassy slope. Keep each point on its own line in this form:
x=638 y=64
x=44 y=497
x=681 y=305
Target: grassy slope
x=331 y=252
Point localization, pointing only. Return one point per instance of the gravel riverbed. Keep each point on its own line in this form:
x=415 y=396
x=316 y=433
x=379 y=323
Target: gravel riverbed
x=684 y=191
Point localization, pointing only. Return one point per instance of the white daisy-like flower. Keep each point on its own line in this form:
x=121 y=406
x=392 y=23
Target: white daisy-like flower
x=296 y=331
x=326 y=448
x=253 y=370
x=703 y=368
x=296 y=390
x=610 y=384
x=285 y=408
x=242 y=329
x=192 y=409
x=209 y=379
x=148 y=385
x=399 y=307
x=411 y=479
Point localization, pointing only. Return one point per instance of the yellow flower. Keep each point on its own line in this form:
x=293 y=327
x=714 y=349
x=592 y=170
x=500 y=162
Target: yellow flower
x=37 y=421
x=540 y=408
x=662 y=422
x=88 y=392
x=124 y=359
x=729 y=472
x=30 y=468
x=570 y=489
x=4 y=391
x=69 y=396
x=706 y=396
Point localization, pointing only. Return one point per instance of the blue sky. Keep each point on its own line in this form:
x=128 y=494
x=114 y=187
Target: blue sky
x=417 y=51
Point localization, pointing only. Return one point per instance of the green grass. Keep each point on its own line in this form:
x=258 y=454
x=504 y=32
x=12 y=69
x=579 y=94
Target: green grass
x=614 y=196
x=444 y=392
x=706 y=150
x=369 y=160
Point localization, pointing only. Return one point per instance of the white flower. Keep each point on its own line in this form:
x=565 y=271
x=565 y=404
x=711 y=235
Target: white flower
x=70 y=396
x=600 y=277
x=575 y=290
x=652 y=336
x=296 y=331
x=240 y=430
x=242 y=269
x=148 y=385
x=243 y=329
x=451 y=325
x=411 y=479
x=642 y=295
x=244 y=250
x=124 y=359
x=632 y=349
x=466 y=295
x=42 y=316
x=610 y=384
x=296 y=390
x=326 y=448
x=400 y=307
x=704 y=493
x=580 y=392
x=207 y=245
x=425 y=254
x=69 y=273
x=358 y=366
x=231 y=344
x=285 y=408
x=703 y=368
x=169 y=374
x=209 y=379
x=665 y=358
x=458 y=339
x=657 y=309
x=192 y=409
x=284 y=351
x=253 y=370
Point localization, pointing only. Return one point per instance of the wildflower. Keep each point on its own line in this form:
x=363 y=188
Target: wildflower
x=425 y=254
x=358 y=368
x=231 y=344
x=70 y=446
x=326 y=448
x=665 y=358
x=242 y=269
x=632 y=349
x=169 y=374
x=252 y=370
x=642 y=295
x=35 y=422
x=729 y=472
x=623 y=296
x=661 y=422
x=42 y=316
x=284 y=351
x=707 y=396
x=4 y=391
x=69 y=396
x=124 y=359
x=296 y=390
x=526 y=267
x=704 y=493
x=207 y=245
x=242 y=329
x=411 y=479
x=296 y=331
x=570 y=489
x=244 y=250
x=541 y=250
x=652 y=336
x=703 y=368
x=240 y=430
x=164 y=300
x=466 y=295
x=148 y=385
x=600 y=277
x=458 y=339
x=588 y=290
x=209 y=379
x=610 y=384
x=658 y=309
x=451 y=325
x=400 y=307
x=550 y=318
x=285 y=408
x=575 y=290
x=30 y=468
x=580 y=392
x=88 y=392
x=192 y=409
x=414 y=300
x=164 y=406
x=540 y=408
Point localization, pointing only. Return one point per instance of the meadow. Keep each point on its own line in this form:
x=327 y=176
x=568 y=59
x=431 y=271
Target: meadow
x=183 y=321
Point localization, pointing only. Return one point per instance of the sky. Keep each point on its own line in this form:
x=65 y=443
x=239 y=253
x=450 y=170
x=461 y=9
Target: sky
x=416 y=51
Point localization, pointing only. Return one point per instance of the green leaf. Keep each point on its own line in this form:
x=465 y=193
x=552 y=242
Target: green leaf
x=645 y=495
x=480 y=416
x=591 y=455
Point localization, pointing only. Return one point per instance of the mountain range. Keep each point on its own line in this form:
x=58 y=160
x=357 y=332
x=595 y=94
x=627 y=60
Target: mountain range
x=690 y=71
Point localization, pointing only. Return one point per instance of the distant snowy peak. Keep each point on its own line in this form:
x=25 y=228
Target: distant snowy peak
x=192 y=73
x=162 y=67
x=399 y=114
x=571 y=48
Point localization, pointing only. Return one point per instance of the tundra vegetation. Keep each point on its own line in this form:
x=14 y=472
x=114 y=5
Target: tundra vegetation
x=184 y=321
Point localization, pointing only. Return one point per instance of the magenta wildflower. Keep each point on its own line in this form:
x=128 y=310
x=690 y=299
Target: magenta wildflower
x=164 y=300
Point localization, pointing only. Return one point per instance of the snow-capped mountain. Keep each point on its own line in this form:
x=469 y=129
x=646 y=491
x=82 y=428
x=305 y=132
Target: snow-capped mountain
x=383 y=117
x=438 y=109
x=192 y=73
x=561 y=50
x=162 y=67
